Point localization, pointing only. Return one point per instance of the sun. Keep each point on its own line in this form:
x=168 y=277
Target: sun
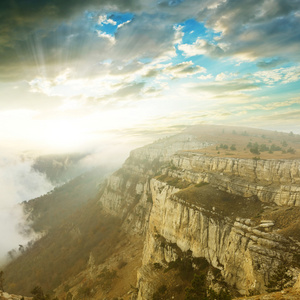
x=63 y=135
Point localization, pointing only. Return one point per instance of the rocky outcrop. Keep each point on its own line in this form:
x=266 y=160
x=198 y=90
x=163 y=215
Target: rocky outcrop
x=247 y=252
x=127 y=193
x=7 y=296
x=244 y=252
x=270 y=180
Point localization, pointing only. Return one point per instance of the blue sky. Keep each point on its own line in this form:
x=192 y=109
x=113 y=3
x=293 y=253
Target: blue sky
x=81 y=73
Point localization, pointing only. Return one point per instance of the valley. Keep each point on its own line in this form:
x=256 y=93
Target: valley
x=185 y=217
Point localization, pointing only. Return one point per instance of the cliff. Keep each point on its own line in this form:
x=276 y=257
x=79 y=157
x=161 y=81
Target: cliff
x=213 y=207
x=270 y=180
x=181 y=212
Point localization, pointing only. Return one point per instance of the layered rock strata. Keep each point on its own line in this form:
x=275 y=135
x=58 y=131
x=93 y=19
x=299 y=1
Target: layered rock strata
x=247 y=253
x=270 y=180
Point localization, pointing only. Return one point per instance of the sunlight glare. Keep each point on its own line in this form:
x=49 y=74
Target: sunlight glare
x=63 y=135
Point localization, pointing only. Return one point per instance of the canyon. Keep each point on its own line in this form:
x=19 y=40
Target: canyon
x=178 y=207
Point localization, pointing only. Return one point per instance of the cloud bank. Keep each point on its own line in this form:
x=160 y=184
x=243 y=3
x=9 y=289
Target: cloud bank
x=18 y=182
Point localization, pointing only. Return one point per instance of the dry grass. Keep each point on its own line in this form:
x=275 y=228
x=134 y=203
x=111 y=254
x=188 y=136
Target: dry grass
x=223 y=203
x=287 y=220
x=240 y=137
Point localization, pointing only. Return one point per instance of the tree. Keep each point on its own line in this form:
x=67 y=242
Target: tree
x=38 y=293
x=198 y=289
x=291 y=150
x=1 y=281
x=280 y=278
x=254 y=149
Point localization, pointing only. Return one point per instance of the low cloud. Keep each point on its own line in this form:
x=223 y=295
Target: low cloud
x=283 y=75
x=182 y=70
x=18 y=182
x=220 y=87
x=269 y=64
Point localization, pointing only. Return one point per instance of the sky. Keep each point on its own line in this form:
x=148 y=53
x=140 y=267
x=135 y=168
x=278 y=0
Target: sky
x=77 y=73
x=113 y=74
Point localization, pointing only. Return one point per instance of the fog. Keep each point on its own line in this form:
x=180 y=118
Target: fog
x=18 y=182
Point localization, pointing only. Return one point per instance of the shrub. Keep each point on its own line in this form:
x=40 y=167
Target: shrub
x=122 y=264
x=157 y=266
x=291 y=150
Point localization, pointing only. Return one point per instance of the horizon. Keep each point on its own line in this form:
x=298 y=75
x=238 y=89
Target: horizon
x=77 y=76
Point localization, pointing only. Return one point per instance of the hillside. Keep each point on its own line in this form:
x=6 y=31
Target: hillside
x=264 y=144
x=176 y=213
x=47 y=211
x=60 y=168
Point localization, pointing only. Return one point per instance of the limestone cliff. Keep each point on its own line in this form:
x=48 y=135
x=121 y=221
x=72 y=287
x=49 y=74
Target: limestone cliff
x=127 y=193
x=213 y=207
x=271 y=180
x=244 y=252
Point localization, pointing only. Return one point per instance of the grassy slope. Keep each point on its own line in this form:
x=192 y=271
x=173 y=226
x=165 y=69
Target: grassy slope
x=76 y=227
x=240 y=137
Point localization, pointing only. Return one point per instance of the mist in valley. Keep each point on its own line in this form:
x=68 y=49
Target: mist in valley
x=18 y=182
x=24 y=177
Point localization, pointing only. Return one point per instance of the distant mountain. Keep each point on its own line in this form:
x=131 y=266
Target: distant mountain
x=60 y=168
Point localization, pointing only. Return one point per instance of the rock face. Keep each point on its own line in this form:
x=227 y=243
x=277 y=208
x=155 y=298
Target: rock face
x=248 y=253
x=270 y=180
x=6 y=296
x=127 y=193
x=245 y=254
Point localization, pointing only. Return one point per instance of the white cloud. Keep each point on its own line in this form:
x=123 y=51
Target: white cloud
x=62 y=76
x=107 y=36
x=205 y=77
x=40 y=85
x=123 y=24
x=102 y=19
x=201 y=47
x=178 y=34
x=272 y=105
x=183 y=70
x=283 y=75
x=225 y=76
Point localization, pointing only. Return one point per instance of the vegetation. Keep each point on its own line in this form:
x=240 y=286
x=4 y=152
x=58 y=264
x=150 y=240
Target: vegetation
x=159 y=294
x=106 y=278
x=193 y=273
x=280 y=279
x=1 y=281
x=291 y=150
x=227 y=204
x=200 y=291
x=49 y=210
x=60 y=167
x=224 y=146
x=38 y=294
x=256 y=148
x=64 y=251
x=173 y=181
x=198 y=185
